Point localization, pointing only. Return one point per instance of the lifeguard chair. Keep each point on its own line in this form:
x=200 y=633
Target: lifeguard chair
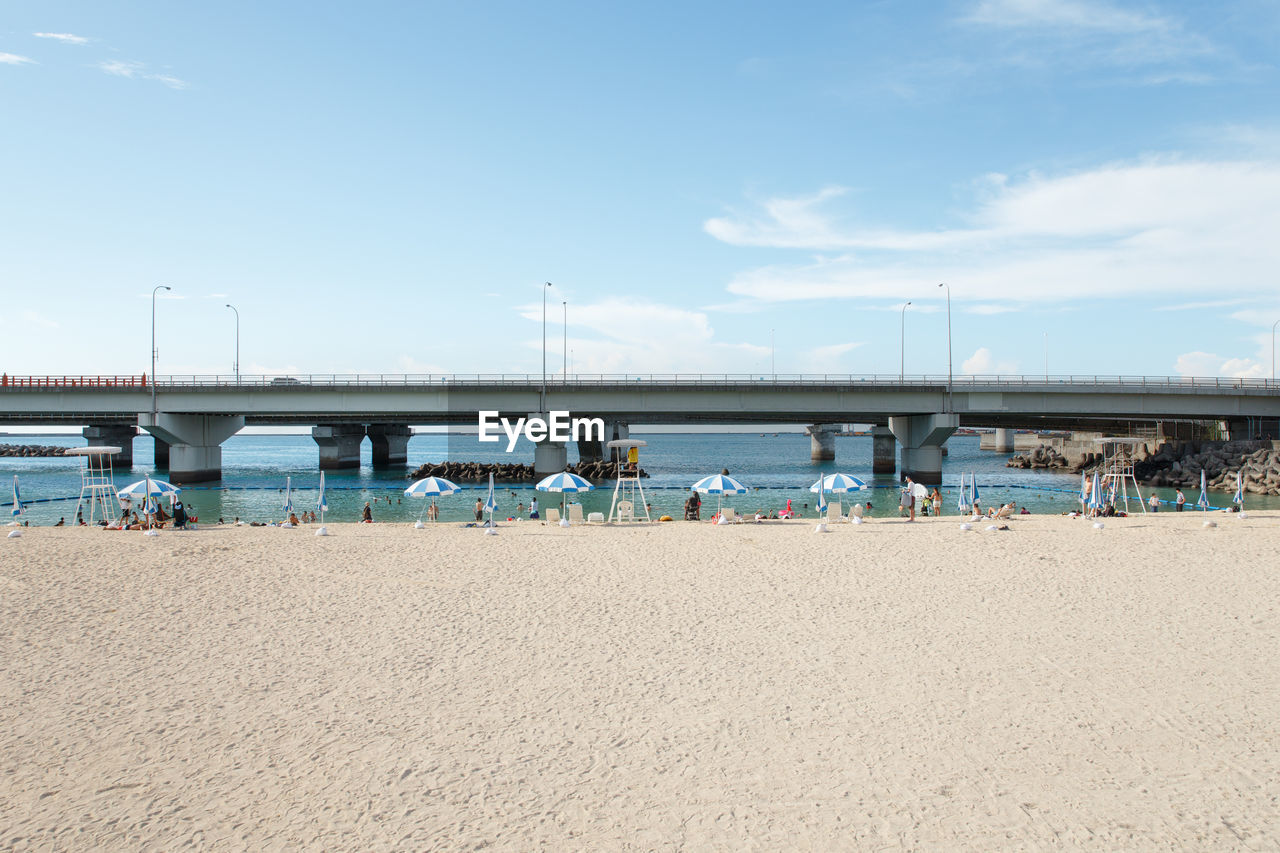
x=97 y=488
x=628 y=495
x=1117 y=465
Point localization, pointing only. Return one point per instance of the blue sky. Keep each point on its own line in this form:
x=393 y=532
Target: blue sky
x=384 y=187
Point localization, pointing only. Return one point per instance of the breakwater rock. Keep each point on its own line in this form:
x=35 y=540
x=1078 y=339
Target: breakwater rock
x=1043 y=456
x=507 y=472
x=31 y=450
x=1178 y=465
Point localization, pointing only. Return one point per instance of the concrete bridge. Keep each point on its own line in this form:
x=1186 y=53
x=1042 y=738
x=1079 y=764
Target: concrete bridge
x=190 y=416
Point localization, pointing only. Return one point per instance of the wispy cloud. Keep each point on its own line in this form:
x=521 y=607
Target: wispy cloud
x=1200 y=306
x=138 y=71
x=65 y=38
x=15 y=59
x=1158 y=226
x=983 y=363
x=1210 y=364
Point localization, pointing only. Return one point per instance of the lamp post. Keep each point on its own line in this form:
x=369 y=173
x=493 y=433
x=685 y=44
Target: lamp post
x=543 y=406
x=154 y=291
x=565 y=353
x=949 y=375
x=237 y=313
x=773 y=364
x=1046 y=356
x=902 y=363
x=1273 y=349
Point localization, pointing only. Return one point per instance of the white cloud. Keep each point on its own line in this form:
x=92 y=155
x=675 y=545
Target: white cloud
x=992 y=308
x=1094 y=31
x=65 y=38
x=14 y=59
x=1201 y=305
x=1209 y=364
x=32 y=318
x=982 y=363
x=1157 y=227
x=169 y=80
x=121 y=68
x=409 y=364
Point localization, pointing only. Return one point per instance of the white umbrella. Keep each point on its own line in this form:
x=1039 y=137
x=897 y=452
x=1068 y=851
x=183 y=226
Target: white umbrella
x=1095 y=493
x=719 y=484
x=490 y=503
x=960 y=500
x=1238 y=500
x=1203 y=500
x=288 y=494
x=17 y=498
x=148 y=488
x=838 y=484
x=431 y=487
x=974 y=497
x=322 y=504
x=919 y=490
x=564 y=482
x=822 y=495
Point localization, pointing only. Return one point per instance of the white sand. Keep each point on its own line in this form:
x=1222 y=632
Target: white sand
x=677 y=686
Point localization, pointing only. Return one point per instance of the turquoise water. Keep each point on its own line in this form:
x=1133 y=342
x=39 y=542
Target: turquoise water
x=775 y=467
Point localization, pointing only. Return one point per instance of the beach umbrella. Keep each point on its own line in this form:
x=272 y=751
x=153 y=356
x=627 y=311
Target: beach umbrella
x=322 y=503
x=1238 y=500
x=919 y=490
x=822 y=495
x=288 y=495
x=432 y=487
x=960 y=504
x=838 y=484
x=564 y=482
x=490 y=503
x=148 y=488
x=1084 y=491
x=1203 y=500
x=973 y=496
x=719 y=485
x=17 y=498
x=1095 y=493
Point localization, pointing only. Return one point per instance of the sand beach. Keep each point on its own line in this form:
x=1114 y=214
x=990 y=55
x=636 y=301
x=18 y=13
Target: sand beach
x=662 y=687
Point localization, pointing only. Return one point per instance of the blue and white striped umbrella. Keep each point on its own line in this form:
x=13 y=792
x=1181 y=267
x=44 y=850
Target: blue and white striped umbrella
x=148 y=488
x=1084 y=490
x=1238 y=500
x=838 y=484
x=564 y=482
x=821 y=486
x=322 y=503
x=1203 y=500
x=17 y=497
x=432 y=487
x=1095 y=493
x=490 y=503
x=974 y=497
x=288 y=494
x=719 y=484
x=960 y=504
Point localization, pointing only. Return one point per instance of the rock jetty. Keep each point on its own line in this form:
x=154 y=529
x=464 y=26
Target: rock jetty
x=1043 y=456
x=506 y=472
x=31 y=450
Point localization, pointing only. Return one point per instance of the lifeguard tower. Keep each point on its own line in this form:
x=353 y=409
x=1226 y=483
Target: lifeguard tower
x=97 y=489
x=628 y=495
x=1117 y=466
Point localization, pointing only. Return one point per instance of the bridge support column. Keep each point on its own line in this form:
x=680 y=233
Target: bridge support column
x=883 y=446
x=922 y=438
x=113 y=435
x=161 y=453
x=390 y=444
x=1004 y=441
x=195 y=443
x=339 y=445
x=550 y=457
x=822 y=442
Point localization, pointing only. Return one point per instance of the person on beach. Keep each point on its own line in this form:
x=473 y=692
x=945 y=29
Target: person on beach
x=1180 y=501
x=533 y=508
x=1154 y=502
x=520 y=508
x=936 y=499
x=293 y=519
x=61 y=522
x=909 y=499
x=479 y=510
x=367 y=515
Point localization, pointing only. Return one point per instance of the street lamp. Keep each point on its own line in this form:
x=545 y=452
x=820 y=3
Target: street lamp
x=155 y=290
x=543 y=406
x=233 y=308
x=773 y=365
x=565 y=354
x=1273 y=349
x=902 y=364
x=949 y=375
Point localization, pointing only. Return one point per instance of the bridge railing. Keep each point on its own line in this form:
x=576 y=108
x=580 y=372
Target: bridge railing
x=534 y=380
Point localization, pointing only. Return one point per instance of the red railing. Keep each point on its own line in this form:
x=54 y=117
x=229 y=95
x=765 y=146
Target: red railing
x=7 y=381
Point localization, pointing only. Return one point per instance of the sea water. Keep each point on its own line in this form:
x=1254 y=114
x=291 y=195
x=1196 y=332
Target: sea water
x=774 y=466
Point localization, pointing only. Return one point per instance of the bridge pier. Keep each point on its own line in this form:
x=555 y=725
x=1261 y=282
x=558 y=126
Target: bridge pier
x=195 y=443
x=339 y=445
x=883 y=446
x=113 y=435
x=822 y=442
x=161 y=453
x=1004 y=442
x=390 y=444
x=922 y=438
